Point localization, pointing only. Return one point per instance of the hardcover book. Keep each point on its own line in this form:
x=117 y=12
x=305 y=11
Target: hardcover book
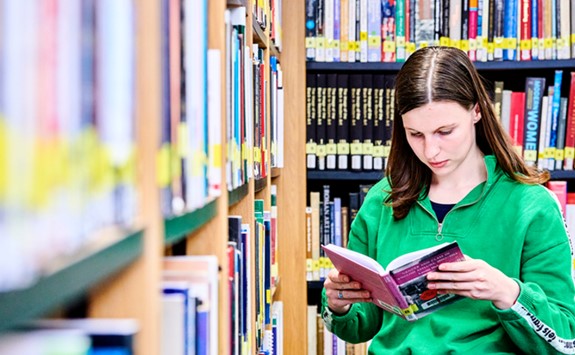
x=402 y=287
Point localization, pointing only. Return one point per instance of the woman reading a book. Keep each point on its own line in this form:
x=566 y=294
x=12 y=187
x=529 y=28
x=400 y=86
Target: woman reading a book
x=453 y=175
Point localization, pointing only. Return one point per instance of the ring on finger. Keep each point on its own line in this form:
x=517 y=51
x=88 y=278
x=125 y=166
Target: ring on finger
x=339 y=294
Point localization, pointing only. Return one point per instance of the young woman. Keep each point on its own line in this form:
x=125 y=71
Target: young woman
x=454 y=176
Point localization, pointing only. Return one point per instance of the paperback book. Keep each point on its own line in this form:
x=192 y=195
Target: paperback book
x=402 y=287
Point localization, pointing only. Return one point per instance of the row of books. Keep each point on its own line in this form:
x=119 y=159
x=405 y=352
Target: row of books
x=245 y=292
x=72 y=337
x=567 y=201
x=189 y=166
x=321 y=341
x=349 y=120
x=390 y=30
x=328 y=221
x=541 y=126
x=268 y=14
x=67 y=159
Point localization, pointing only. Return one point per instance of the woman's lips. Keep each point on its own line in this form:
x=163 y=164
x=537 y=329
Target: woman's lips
x=438 y=164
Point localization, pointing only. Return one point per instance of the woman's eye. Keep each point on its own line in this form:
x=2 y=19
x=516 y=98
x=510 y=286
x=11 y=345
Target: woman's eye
x=416 y=135
x=445 y=133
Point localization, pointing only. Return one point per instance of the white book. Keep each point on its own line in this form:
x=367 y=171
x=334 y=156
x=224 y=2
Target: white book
x=363 y=31
x=312 y=329
x=214 y=123
x=351 y=31
x=328 y=29
x=280 y=121
x=374 y=31
x=506 y=110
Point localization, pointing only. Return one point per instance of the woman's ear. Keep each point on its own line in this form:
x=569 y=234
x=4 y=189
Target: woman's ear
x=476 y=113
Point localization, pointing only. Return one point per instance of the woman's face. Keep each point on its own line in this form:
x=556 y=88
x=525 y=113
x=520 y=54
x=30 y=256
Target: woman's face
x=442 y=135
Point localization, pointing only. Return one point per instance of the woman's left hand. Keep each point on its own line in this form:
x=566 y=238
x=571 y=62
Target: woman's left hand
x=475 y=279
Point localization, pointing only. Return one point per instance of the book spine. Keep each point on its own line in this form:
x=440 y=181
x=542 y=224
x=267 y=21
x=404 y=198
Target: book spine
x=367 y=121
x=331 y=121
x=374 y=31
x=534 y=88
x=344 y=31
x=561 y=126
x=517 y=113
x=343 y=122
x=378 y=121
x=355 y=124
x=310 y=28
x=394 y=290
x=570 y=130
x=554 y=117
x=388 y=26
x=525 y=35
x=321 y=120
x=336 y=30
x=352 y=35
x=400 y=30
x=311 y=121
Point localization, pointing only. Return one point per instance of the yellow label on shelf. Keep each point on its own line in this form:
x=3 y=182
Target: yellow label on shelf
x=525 y=45
x=455 y=43
x=163 y=168
x=331 y=148
x=386 y=151
x=126 y=172
x=400 y=41
x=573 y=38
x=490 y=47
x=367 y=149
x=534 y=42
x=175 y=164
x=321 y=150
x=472 y=45
x=569 y=152
x=378 y=151
x=344 y=45
x=444 y=41
x=320 y=42
x=374 y=41
x=548 y=44
x=464 y=45
x=560 y=43
x=549 y=153
x=216 y=155
x=257 y=155
x=423 y=44
x=310 y=42
x=410 y=47
x=530 y=155
x=343 y=148
x=499 y=43
x=363 y=36
x=310 y=148
x=389 y=47
x=356 y=148
x=316 y=265
x=183 y=141
x=559 y=154
x=511 y=43
x=3 y=160
x=309 y=264
x=335 y=44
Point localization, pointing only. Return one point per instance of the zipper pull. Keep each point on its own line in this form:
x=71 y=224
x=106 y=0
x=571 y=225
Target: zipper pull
x=439 y=236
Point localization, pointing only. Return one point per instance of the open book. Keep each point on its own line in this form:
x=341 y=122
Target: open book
x=402 y=288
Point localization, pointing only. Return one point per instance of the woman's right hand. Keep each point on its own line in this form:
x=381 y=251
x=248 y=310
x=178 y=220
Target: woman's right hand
x=342 y=291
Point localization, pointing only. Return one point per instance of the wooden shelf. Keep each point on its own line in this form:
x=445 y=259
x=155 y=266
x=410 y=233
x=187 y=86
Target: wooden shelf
x=344 y=175
x=237 y=194
x=177 y=228
x=275 y=51
x=276 y=172
x=259 y=36
x=76 y=277
x=484 y=66
x=261 y=184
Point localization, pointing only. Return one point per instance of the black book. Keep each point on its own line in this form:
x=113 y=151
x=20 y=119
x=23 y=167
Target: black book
x=534 y=90
x=342 y=122
x=389 y=113
x=355 y=123
x=353 y=206
x=310 y=28
x=311 y=121
x=367 y=121
x=379 y=105
x=331 y=121
x=321 y=132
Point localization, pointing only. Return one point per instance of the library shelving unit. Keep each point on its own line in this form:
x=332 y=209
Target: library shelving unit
x=120 y=276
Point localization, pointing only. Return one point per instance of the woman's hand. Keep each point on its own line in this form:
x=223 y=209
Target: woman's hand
x=475 y=279
x=341 y=292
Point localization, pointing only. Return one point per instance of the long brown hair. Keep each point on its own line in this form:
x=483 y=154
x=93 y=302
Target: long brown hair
x=434 y=74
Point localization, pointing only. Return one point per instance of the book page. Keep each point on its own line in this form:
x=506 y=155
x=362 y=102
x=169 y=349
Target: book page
x=414 y=255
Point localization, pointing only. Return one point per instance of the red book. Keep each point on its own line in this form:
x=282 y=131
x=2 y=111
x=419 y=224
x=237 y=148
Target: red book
x=559 y=188
x=570 y=129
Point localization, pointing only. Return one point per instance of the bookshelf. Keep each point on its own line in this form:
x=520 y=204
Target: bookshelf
x=121 y=278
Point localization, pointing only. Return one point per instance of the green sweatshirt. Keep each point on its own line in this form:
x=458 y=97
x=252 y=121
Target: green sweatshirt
x=516 y=228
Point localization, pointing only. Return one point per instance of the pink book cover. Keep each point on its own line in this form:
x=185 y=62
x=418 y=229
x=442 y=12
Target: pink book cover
x=402 y=289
